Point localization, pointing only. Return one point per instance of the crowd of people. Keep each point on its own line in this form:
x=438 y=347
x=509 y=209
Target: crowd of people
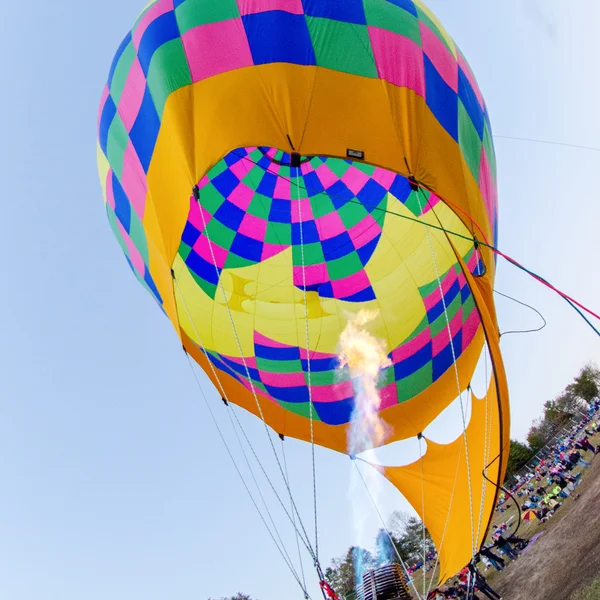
x=542 y=490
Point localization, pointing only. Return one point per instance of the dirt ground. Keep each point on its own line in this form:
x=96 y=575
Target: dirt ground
x=566 y=556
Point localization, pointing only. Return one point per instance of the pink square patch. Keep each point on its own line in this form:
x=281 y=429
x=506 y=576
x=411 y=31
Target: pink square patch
x=307 y=213
x=348 y=286
x=399 y=60
x=313 y=275
x=250 y=7
x=216 y=48
x=441 y=58
x=365 y=231
x=132 y=96
x=134 y=180
x=212 y=253
x=384 y=177
x=241 y=196
x=355 y=180
x=326 y=176
x=253 y=227
x=330 y=225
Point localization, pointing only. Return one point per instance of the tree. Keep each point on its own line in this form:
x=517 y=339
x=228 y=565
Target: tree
x=585 y=385
x=238 y=596
x=346 y=572
x=407 y=532
x=518 y=457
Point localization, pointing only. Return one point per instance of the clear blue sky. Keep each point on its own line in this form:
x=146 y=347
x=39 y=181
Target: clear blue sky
x=113 y=483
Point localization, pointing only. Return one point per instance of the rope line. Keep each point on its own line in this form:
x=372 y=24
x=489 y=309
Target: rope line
x=308 y=373
x=259 y=491
x=252 y=387
x=423 y=516
x=227 y=448
x=456 y=234
x=402 y=563
x=458 y=386
x=307 y=545
x=548 y=142
x=526 y=306
x=293 y=515
x=486 y=444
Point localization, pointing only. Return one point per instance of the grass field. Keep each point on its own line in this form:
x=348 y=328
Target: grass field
x=564 y=563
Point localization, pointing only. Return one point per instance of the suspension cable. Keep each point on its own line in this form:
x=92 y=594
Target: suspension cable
x=246 y=487
x=385 y=527
x=424 y=542
x=293 y=514
x=307 y=340
x=250 y=381
x=218 y=379
x=454 y=358
x=577 y=306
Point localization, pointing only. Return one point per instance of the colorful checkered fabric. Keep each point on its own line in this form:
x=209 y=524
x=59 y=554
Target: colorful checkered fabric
x=197 y=39
x=280 y=372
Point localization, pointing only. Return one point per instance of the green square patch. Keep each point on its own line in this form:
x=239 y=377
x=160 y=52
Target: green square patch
x=469 y=141
x=352 y=213
x=279 y=366
x=313 y=254
x=390 y=17
x=219 y=234
x=118 y=138
x=210 y=198
x=192 y=13
x=340 y=46
x=210 y=289
x=301 y=408
x=138 y=235
x=121 y=72
x=114 y=225
x=260 y=206
x=184 y=251
x=169 y=58
x=414 y=384
x=345 y=266
x=279 y=233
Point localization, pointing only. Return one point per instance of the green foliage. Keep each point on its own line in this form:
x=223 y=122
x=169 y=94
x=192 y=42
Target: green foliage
x=590 y=592
x=406 y=534
x=238 y=596
x=520 y=454
x=343 y=572
x=585 y=385
x=571 y=403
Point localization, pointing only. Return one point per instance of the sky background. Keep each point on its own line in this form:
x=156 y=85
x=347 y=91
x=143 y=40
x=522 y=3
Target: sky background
x=113 y=481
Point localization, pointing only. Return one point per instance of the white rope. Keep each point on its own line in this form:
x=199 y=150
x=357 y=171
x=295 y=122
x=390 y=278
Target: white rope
x=224 y=395
x=462 y=408
x=260 y=492
x=308 y=373
x=293 y=516
x=251 y=383
x=452 y=494
x=423 y=516
x=486 y=447
x=283 y=555
x=385 y=527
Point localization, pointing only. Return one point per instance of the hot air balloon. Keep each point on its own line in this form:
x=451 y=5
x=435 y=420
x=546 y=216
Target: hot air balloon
x=271 y=168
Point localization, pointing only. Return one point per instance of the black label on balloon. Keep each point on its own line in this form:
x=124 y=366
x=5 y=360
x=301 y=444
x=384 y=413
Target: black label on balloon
x=355 y=154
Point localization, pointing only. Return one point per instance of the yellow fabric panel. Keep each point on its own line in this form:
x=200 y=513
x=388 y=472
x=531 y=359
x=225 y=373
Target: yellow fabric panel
x=324 y=112
x=455 y=491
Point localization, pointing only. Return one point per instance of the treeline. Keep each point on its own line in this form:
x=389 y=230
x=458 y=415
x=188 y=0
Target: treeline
x=572 y=403
x=405 y=538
